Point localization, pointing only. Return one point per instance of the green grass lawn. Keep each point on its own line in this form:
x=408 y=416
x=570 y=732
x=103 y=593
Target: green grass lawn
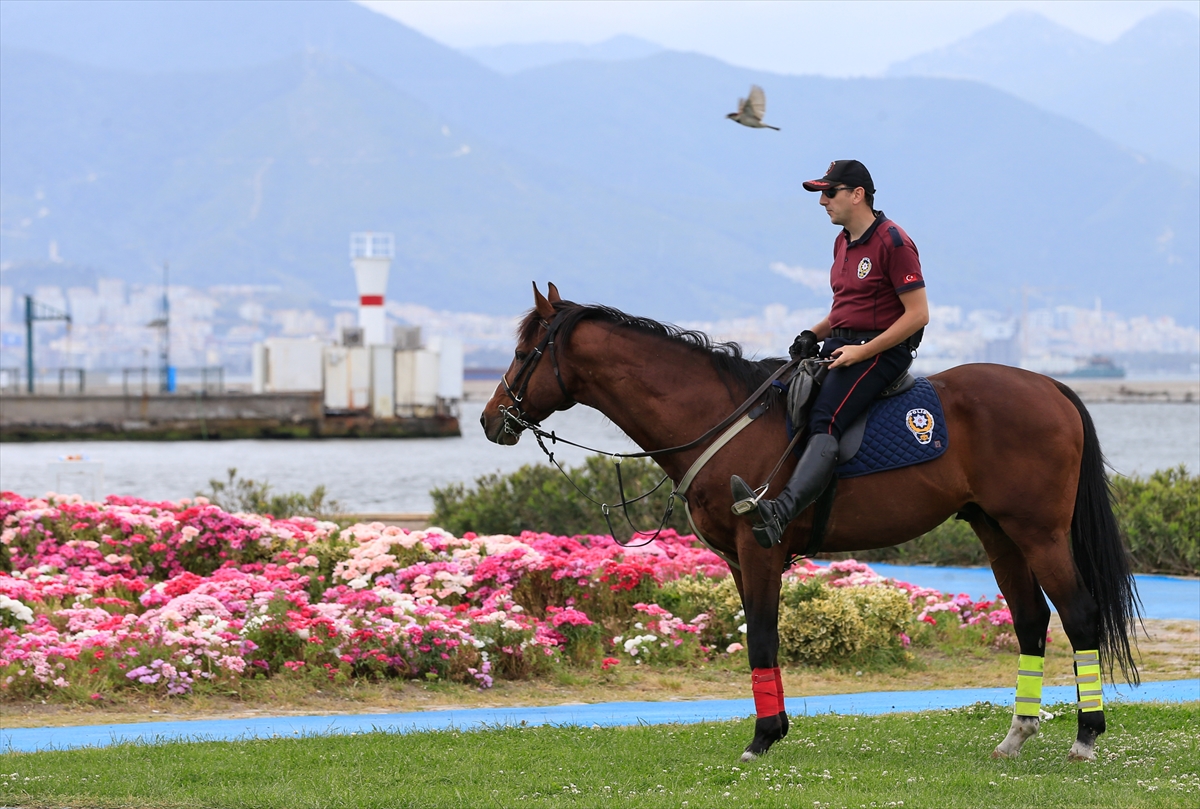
x=1149 y=757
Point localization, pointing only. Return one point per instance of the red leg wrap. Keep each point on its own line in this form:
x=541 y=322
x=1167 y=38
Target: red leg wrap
x=766 y=696
x=779 y=689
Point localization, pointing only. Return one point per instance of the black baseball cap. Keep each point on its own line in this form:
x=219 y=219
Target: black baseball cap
x=843 y=172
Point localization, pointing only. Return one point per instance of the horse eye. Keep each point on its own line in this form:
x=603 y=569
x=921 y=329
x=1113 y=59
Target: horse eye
x=521 y=355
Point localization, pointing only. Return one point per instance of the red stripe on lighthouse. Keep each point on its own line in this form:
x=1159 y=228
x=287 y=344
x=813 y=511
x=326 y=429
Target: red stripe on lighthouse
x=371 y=300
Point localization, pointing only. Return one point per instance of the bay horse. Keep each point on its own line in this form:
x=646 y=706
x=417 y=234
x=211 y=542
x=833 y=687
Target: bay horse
x=1023 y=467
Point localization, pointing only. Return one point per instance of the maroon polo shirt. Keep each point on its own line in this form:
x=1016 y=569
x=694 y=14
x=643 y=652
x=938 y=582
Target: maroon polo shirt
x=869 y=274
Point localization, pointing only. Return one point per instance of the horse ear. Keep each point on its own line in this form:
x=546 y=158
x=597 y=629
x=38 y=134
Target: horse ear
x=552 y=293
x=543 y=307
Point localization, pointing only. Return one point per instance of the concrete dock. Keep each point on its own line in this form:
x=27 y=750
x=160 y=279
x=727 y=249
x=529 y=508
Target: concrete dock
x=200 y=416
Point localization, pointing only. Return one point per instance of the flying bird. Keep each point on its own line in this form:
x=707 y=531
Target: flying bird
x=751 y=110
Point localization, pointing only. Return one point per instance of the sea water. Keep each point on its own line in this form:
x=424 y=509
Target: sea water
x=396 y=475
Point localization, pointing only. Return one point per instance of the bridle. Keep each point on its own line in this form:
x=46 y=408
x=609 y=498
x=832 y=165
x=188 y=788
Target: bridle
x=515 y=414
x=516 y=420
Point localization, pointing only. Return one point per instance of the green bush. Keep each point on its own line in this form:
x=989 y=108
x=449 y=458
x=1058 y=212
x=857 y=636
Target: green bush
x=244 y=495
x=1160 y=518
x=540 y=498
x=821 y=625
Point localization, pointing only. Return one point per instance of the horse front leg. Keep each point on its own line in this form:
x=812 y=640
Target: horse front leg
x=759 y=583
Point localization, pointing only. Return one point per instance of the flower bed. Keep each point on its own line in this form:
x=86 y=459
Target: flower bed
x=172 y=598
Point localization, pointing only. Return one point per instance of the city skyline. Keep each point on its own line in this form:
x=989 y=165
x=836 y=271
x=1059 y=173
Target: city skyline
x=113 y=328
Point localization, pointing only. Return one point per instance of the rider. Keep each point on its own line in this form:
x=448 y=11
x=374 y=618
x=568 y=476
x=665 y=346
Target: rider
x=878 y=316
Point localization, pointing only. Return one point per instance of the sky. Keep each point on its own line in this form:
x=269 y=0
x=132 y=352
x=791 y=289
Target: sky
x=834 y=38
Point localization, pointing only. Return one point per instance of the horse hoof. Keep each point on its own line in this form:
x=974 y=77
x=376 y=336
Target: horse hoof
x=748 y=756
x=1081 y=752
x=1022 y=730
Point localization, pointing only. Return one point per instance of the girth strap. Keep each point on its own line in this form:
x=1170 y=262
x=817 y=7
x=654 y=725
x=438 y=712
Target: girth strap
x=686 y=481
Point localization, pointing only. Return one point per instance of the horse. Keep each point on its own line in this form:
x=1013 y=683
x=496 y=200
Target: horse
x=1023 y=467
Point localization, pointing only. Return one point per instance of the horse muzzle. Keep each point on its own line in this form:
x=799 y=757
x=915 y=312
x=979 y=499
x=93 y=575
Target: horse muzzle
x=500 y=429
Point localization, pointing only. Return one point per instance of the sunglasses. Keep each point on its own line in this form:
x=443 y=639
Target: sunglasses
x=830 y=193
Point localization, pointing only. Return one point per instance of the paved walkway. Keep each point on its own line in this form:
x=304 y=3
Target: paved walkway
x=602 y=714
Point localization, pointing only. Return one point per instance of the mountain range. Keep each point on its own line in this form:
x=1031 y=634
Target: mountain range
x=1141 y=90
x=244 y=141
x=515 y=57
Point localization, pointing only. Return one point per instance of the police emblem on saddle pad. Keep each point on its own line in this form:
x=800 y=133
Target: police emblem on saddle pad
x=920 y=423
x=901 y=431
x=864 y=268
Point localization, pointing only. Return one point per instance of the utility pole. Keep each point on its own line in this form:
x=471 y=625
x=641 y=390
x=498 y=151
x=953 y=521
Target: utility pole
x=166 y=384
x=35 y=311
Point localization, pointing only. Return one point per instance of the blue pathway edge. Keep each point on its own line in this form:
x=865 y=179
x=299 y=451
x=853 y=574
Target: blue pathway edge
x=1165 y=597
x=607 y=714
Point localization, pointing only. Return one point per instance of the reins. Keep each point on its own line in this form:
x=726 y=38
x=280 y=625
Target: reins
x=514 y=416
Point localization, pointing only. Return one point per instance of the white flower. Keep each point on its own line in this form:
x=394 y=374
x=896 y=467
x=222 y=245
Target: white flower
x=742 y=629
x=20 y=611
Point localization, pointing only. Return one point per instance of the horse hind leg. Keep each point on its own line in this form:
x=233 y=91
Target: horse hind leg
x=1055 y=570
x=1031 y=618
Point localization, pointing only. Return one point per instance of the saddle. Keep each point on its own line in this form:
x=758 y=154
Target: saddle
x=803 y=387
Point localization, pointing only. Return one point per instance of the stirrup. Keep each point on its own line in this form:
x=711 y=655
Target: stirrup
x=746 y=499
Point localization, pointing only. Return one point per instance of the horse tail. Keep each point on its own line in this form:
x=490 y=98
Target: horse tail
x=1100 y=555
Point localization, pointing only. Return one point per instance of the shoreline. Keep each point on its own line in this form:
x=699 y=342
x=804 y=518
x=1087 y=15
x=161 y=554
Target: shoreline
x=1091 y=391
x=1136 y=391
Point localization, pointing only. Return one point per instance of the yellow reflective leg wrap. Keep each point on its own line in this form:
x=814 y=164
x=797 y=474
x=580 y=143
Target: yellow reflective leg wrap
x=1029 y=685
x=1087 y=681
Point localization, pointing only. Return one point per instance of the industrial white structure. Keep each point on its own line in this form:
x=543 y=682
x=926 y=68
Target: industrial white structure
x=371 y=254
x=369 y=373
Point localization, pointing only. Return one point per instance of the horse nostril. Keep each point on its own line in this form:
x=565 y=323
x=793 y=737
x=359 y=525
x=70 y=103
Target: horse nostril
x=483 y=422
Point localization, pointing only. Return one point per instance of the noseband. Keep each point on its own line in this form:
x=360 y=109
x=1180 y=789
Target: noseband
x=515 y=418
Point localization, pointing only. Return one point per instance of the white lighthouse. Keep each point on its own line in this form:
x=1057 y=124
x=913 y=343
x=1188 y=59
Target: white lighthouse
x=371 y=254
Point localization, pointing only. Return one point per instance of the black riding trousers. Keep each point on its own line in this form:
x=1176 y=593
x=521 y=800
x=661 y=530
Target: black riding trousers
x=848 y=391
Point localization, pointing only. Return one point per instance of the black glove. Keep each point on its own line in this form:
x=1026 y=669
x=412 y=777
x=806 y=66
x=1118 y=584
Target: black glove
x=804 y=346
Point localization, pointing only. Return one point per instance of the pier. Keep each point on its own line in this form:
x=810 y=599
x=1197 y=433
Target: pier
x=203 y=416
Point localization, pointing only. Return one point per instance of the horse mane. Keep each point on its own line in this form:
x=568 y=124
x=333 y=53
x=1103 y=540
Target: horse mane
x=726 y=358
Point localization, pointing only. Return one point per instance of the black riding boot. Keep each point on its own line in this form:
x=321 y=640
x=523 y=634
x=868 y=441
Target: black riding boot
x=812 y=475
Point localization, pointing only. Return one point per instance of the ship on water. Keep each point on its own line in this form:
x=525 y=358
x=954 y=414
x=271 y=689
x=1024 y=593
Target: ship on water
x=1097 y=366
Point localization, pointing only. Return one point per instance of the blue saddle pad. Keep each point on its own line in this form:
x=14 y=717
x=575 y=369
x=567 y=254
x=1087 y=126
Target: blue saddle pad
x=901 y=431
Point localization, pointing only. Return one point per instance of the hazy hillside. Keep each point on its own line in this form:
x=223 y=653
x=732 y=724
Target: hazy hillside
x=201 y=35
x=620 y=180
x=1142 y=90
x=514 y=58
x=259 y=175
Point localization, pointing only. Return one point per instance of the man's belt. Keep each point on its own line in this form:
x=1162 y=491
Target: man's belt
x=861 y=336
x=854 y=335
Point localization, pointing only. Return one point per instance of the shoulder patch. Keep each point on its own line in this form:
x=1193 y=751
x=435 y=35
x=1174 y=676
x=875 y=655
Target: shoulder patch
x=897 y=239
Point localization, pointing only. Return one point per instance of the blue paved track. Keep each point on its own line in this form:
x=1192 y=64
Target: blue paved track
x=1162 y=596
x=604 y=714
